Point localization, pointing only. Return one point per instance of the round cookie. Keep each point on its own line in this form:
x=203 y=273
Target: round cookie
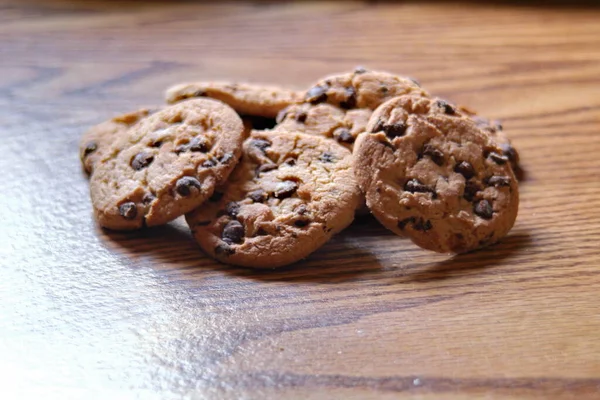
x=495 y=129
x=166 y=165
x=339 y=106
x=434 y=176
x=245 y=98
x=290 y=193
x=361 y=88
x=324 y=120
x=96 y=140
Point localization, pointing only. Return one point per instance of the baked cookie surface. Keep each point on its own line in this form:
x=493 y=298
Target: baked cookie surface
x=96 y=140
x=290 y=193
x=434 y=176
x=245 y=98
x=339 y=106
x=166 y=165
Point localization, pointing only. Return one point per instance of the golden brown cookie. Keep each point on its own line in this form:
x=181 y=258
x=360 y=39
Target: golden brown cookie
x=97 y=139
x=495 y=129
x=325 y=120
x=166 y=165
x=290 y=193
x=245 y=98
x=339 y=106
x=435 y=176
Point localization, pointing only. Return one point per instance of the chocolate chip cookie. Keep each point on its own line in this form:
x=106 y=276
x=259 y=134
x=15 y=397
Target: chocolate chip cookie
x=290 y=193
x=495 y=129
x=361 y=88
x=245 y=98
x=435 y=176
x=339 y=106
x=97 y=139
x=324 y=120
x=166 y=165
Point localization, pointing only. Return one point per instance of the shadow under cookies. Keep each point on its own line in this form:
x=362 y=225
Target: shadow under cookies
x=172 y=248
x=476 y=262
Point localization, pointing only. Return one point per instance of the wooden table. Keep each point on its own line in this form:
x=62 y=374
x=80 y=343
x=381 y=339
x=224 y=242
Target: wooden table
x=86 y=313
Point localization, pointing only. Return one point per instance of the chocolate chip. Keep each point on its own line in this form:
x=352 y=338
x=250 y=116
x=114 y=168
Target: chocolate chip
x=422 y=225
x=360 y=70
x=414 y=186
x=448 y=109
x=89 y=149
x=209 y=163
x=402 y=224
x=471 y=189
x=157 y=144
x=181 y=148
x=434 y=154
x=300 y=223
x=327 y=157
x=232 y=209
x=184 y=185
x=285 y=189
x=260 y=144
x=418 y=224
x=343 y=135
x=497 y=158
x=258 y=195
x=384 y=89
x=484 y=209
x=198 y=144
x=510 y=152
x=465 y=169
x=216 y=197
x=128 y=210
x=265 y=168
x=148 y=198
x=498 y=126
x=233 y=232
x=224 y=249
x=378 y=127
x=301 y=117
x=141 y=160
x=395 y=130
x=290 y=161
x=350 y=101
x=316 y=95
x=498 y=181
x=226 y=158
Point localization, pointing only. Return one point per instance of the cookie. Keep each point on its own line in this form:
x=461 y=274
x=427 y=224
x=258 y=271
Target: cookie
x=290 y=193
x=97 y=139
x=339 y=106
x=166 y=165
x=435 y=176
x=324 y=120
x=495 y=129
x=361 y=88
x=245 y=98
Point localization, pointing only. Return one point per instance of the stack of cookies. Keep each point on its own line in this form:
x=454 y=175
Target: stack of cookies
x=265 y=176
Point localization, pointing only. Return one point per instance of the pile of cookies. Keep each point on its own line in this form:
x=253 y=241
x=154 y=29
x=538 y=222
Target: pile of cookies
x=265 y=175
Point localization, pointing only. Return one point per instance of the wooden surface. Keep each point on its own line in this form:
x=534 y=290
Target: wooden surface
x=92 y=314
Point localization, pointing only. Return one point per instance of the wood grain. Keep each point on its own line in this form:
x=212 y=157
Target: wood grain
x=86 y=313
